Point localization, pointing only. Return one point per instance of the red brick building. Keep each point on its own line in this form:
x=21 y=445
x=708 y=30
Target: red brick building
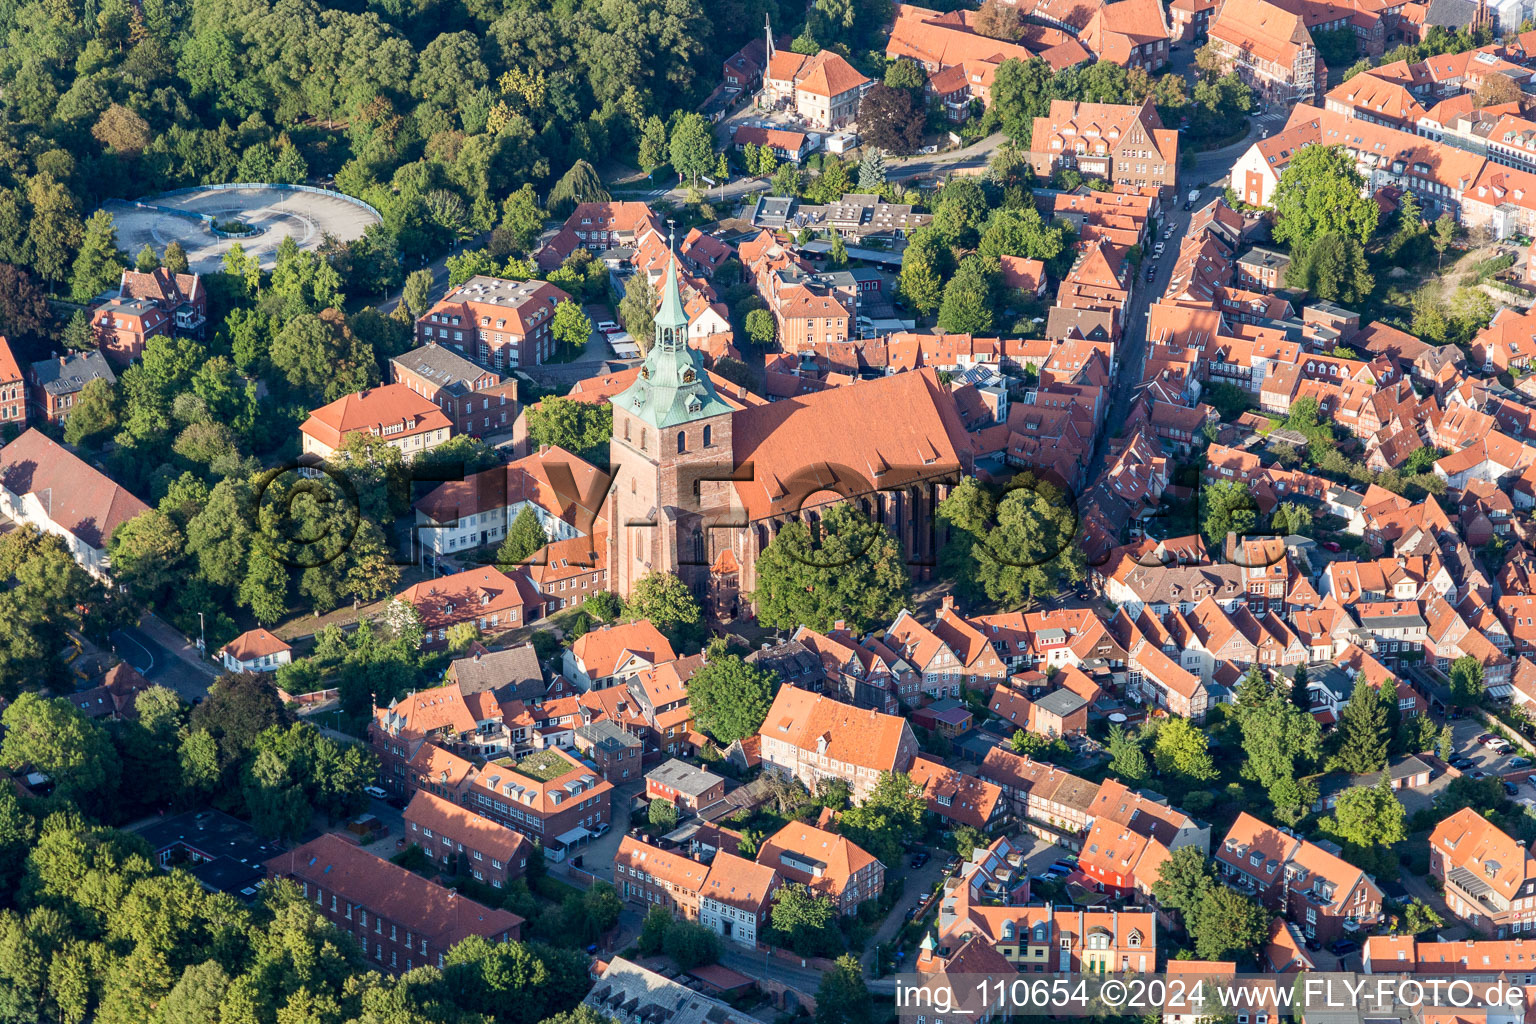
x=400 y=919
x=56 y=383
x=494 y=322
x=477 y=400
x=549 y=796
x=464 y=842
x=401 y=417
x=13 y=388
x=486 y=596
x=147 y=305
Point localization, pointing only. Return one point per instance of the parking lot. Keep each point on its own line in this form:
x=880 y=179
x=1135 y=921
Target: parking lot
x=1470 y=756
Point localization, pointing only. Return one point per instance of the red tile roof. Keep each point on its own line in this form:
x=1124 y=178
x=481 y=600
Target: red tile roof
x=75 y=496
x=372 y=411
x=441 y=915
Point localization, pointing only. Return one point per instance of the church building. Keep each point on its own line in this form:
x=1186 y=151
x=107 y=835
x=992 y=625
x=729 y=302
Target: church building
x=702 y=485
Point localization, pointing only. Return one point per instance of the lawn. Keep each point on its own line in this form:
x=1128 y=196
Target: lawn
x=544 y=765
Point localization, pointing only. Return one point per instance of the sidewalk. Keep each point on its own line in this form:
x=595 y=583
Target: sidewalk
x=168 y=637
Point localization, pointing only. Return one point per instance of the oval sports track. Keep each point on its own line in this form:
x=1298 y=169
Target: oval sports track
x=307 y=217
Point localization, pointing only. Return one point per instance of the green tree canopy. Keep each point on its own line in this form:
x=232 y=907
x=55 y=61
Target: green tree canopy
x=729 y=697
x=845 y=567
x=1321 y=192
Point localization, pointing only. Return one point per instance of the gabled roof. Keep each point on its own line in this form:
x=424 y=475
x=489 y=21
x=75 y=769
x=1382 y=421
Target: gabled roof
x=74 y=495
x=404 y=897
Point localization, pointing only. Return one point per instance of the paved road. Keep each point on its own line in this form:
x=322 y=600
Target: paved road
x=1211 y=170
x=439 y=268
x=163 y=656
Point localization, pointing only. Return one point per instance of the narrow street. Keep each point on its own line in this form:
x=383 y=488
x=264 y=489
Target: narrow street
x=1210 y=171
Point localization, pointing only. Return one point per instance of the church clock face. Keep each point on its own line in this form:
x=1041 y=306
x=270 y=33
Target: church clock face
x=688 y=376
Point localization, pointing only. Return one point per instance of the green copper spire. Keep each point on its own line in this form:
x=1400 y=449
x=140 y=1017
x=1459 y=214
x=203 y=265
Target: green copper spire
x=671 y=319
x=673 y=387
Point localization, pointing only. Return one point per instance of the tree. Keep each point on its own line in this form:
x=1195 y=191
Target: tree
x=1497 y=89
x=837 y=255
x=54 y=231
x=580 y=184
x=1000 y=20
x=637 y=310
x=1419 y=917
x=665 y=600
x=691 y=944
x=1015 y=550
x=923 y=264
x=121 y=130
x=1277 y=735
x=1367 y=817
x=891 y=120
x=1320 y=193
x=1300 y=692
x=524 y=537
x=1022 y=90
x=1021 y=232
x=99 y=265
x=570 y=326
x=663 y=814
x=1333 y=267
x=1226 y=507
x=175 y=260
x=582 y=428
x=146 y=553
x=1443 y=234
x=652 y=151
x=729 y=697
x=1362 y=732
x=959 y=210
x=844 y=568
x=147 y=261
x=1183 y=879
x=1225 y=922
x=842 y=997
x=94 y=415
x=872 y=163
x=53 y=736
x=967 y=305
x=1126 y=759
x=1179 y=748
x=238 y=708
x=692 y=148
x=1291 y=518
x=905 y=74
x=761 y=328
x=1466 y=681
x=893 y=811
x=417 y=293
x=808 y=919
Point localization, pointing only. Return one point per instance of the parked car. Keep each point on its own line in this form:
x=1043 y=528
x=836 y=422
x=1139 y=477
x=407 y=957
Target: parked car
x=919 y=859
x=1510 y=788
x=951 y=864
x=377 y=792
x=608 y=327
x=1519 y=762
x=1485 y=739
x=601 y=829
x=1463 y=763
x=1151 y=272
x=1343 y=947
x=1332 y=545
x=1479 y=775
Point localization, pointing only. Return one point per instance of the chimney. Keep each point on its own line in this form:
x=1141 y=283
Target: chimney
x=946 y=605
x=840 y=624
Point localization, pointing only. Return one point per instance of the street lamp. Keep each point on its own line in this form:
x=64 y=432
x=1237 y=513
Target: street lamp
x=202 y=642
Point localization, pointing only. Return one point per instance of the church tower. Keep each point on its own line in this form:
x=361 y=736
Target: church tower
x=671 y=436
